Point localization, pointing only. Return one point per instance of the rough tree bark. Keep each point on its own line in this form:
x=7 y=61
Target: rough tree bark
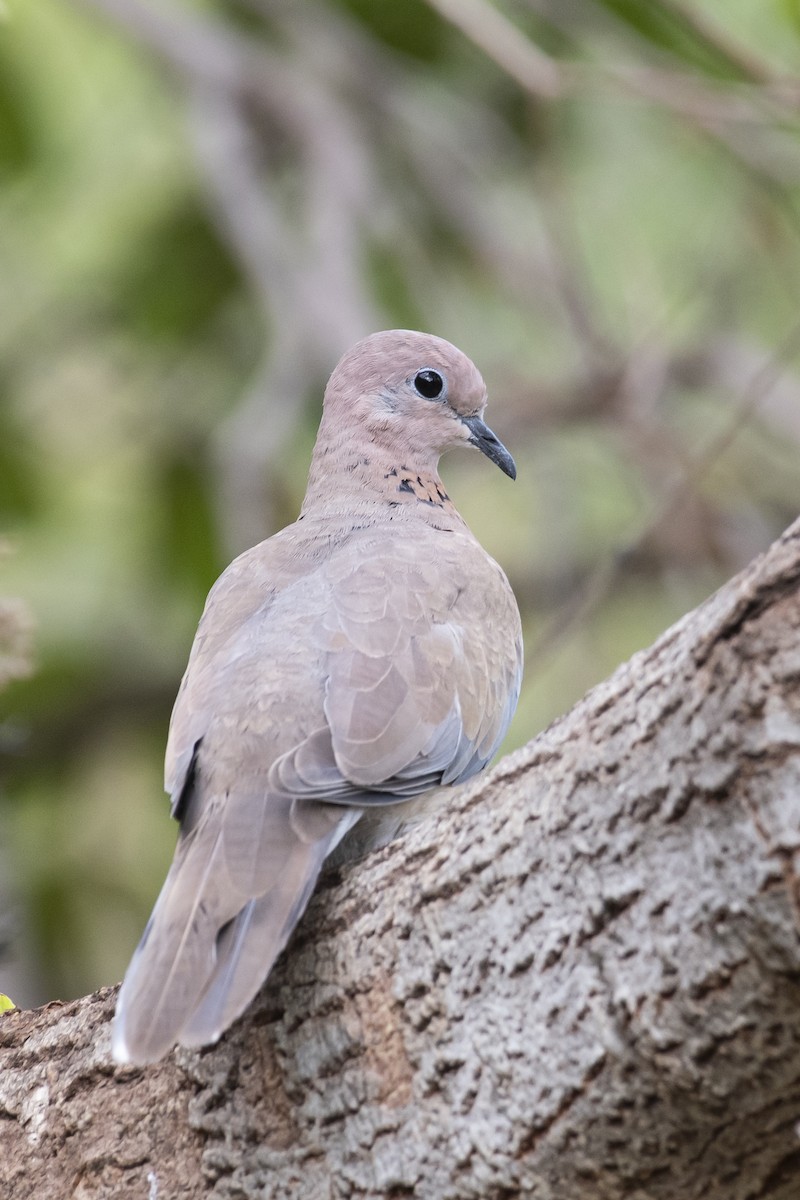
x=581 y=979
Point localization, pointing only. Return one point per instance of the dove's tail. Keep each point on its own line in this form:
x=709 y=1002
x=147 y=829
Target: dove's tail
x=210 y=943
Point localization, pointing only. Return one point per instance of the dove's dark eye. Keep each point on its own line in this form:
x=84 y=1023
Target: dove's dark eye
x=429 y=384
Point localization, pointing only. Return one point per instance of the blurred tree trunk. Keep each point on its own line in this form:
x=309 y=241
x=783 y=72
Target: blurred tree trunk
x=581 y=979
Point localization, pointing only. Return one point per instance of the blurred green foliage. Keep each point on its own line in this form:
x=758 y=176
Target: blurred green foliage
x=184 y=256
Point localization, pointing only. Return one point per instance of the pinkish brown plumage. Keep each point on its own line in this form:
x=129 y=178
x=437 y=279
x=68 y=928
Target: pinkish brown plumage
x=351 y=664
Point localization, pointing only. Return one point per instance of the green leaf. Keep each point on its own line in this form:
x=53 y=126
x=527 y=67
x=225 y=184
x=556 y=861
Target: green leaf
x=413 y=27
x=179 y=277
x=187 y=540
x=18 y=141
x=666 y=27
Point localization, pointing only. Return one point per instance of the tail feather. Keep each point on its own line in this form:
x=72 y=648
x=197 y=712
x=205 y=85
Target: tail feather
x=209 y=945
x=174 y=959
x=248 y=949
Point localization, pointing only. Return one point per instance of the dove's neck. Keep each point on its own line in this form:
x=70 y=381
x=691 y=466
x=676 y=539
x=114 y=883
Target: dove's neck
x=358 y=478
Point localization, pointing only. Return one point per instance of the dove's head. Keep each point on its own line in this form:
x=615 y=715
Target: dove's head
x=413 y=396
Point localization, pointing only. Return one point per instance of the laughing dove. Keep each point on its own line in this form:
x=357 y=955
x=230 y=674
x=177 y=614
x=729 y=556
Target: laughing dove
x=355 y=661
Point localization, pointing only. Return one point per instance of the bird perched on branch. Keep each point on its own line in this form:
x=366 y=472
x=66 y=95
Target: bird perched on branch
x=362 y=657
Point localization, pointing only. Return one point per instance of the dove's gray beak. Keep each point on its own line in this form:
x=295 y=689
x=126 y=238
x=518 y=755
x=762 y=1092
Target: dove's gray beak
x=488 y=444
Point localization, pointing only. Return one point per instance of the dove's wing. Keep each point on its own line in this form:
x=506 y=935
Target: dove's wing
x=423 y=662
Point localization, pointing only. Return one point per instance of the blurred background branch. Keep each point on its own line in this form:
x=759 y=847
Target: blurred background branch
x=204 y=203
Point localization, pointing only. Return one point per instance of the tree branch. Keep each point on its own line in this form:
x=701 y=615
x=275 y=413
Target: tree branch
x=580 y=979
